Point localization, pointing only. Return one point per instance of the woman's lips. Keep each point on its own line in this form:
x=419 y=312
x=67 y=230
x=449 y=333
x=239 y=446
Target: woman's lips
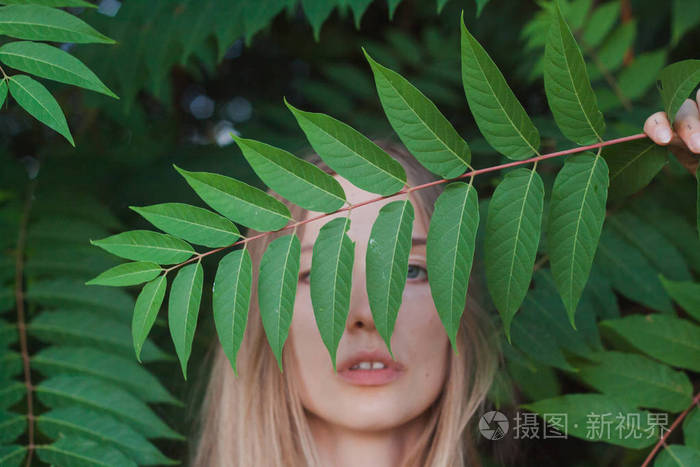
x=370 y=377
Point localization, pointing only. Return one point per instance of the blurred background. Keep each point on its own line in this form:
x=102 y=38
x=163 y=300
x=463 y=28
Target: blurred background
x=189 y=72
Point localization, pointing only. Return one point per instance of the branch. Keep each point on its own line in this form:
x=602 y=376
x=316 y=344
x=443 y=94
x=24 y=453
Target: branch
x=662 y=441
x=21 y=326
x=471 y=173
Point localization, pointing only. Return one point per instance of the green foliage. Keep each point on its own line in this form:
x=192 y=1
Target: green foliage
x=331 y=281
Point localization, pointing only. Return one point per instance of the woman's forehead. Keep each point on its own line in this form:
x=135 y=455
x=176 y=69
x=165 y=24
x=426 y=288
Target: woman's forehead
x=362 y=218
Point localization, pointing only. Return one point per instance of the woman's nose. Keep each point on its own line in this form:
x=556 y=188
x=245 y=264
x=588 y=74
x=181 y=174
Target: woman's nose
x=360 y=314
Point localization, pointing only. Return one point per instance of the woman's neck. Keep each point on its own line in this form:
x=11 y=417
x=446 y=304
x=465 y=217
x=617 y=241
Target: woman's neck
x=342 y=447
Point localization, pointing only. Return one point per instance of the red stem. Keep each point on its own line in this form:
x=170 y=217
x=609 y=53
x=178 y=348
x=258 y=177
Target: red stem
x=472 y=173
x=662 y=441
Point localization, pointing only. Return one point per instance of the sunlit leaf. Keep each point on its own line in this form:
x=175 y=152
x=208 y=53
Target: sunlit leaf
x=350 y=153
x=676 y=81
x=238 y=201
x=231 y=300
x=498 y=113
x=191 y=223
x=146 y=245
x=569 y=92
x=51 y=62
x=33 y=97
x=331 y=281
x=36 y=22
x=127 y=274
x=299 y=181
x=386 y=264
x=183 y=310
x=429 y=136
x=147 y=306
x=512 y=234
x=277 y=287
x=450 y=251
x=577 y=212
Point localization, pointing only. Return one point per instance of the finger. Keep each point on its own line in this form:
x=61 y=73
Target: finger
x=687 y=125
x=658 y=128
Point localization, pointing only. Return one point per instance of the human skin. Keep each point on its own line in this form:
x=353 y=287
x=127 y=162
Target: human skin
x=369 y=425
x=684 y=139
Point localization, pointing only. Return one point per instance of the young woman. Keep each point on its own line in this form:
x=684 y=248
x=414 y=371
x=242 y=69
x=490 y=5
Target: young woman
x=417 y=411
x=414 y=412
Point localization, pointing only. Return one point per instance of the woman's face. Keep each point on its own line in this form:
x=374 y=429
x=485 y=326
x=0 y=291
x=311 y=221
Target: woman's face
x=419 y=341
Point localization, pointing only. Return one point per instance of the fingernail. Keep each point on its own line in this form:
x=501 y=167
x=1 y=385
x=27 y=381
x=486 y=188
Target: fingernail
x=663 y=135
x=695 y=142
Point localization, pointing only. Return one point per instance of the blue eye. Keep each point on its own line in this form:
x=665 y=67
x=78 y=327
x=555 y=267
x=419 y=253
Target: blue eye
x=416 y=272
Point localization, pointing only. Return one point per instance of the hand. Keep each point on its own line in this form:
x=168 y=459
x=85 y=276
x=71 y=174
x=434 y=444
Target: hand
x=684 y=142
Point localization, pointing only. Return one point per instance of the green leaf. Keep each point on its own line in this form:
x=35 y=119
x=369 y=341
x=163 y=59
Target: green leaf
x=53 y=3
x=33 y=97
x=51 y=62
x=277 y=288
x=71 y=293
x=600 y=23
x=638 y=77
x=82 y=452
x=480 y=4
x=231 y=301
x=664 y=337
x=238 y=201
x=568 y=89
x=79 y=421
x=691 y=429
x=685 y=293
x=127 y=274
x=594 y=417
x=317 y=11
x=676 y=82
x=512 y=234
x=3 y=91
x=611 y=54
x=35 y=22
x=450 y=251
x=630 y=272
x=392 y=7
x=421 y=127
x=386 y=264
x=677 y=455
x=87 y=328
x=685 y=15
x=115 y=369
x=147 y=306
x=191 y=223
x=13 y=455
x=146 y=245
x=350 y=153
x=297 y=180
x=633 y=165
x=12 y=426
x=661 y=253
x=577 y=212
x=183 y=310
x=64 y=390
x=331 y=281
x=498 y=113
x=639 y=380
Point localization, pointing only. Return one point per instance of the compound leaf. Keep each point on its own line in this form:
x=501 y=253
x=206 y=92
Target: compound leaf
x=676 y=82
x=386 y=264
x=450 y=251
x=42 y=23
x=231 y=301
x=297 y=180
x=330 y=281
x=423 y=129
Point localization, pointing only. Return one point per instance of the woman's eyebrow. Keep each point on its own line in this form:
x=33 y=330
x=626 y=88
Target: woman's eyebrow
x=416 y=241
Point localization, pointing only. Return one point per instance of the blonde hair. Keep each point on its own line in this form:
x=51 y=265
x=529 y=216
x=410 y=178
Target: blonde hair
x=257 y=419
